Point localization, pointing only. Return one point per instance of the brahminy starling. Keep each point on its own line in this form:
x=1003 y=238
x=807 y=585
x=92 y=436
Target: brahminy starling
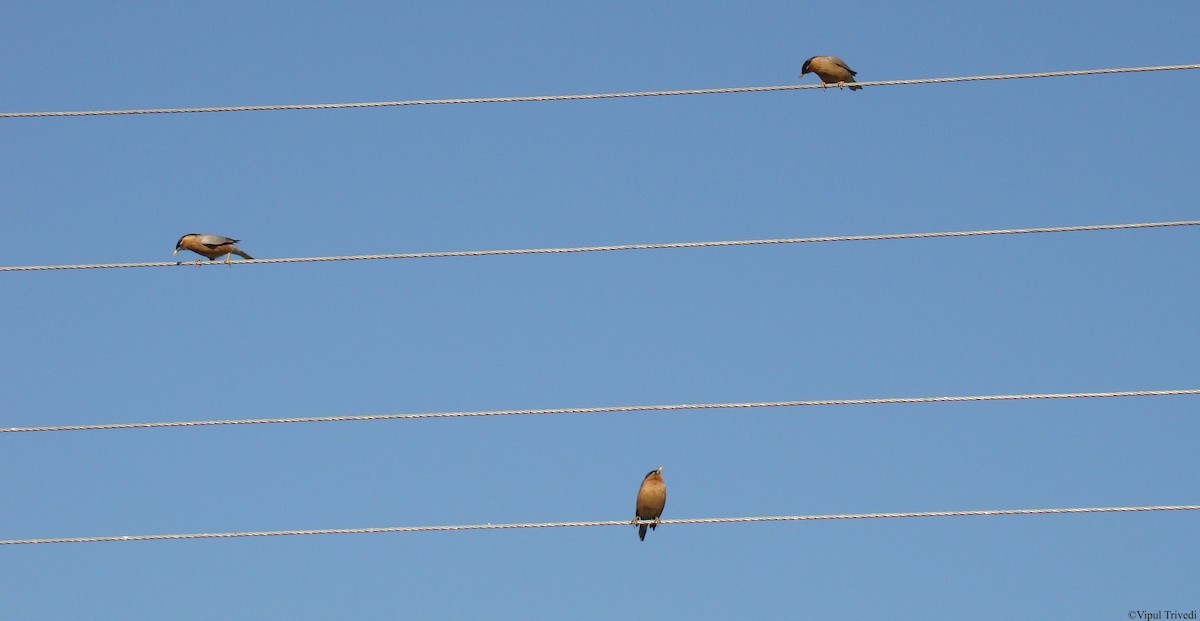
x=651 y=498
x=211 y=246
x=831 y=70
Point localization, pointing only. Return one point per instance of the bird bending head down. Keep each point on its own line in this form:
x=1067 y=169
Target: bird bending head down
x=211 y=246
x=831 y=70
x=651 y=498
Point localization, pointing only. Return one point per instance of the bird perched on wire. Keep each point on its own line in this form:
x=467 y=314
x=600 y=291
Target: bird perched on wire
x=211 y=246
x=651 y=498
x=831 y=70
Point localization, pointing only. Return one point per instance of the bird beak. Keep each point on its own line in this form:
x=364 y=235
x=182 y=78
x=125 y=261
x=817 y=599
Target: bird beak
x=176 y=252
x=660 y=469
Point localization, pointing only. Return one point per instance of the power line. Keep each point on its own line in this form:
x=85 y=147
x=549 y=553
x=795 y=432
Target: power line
x=603 y=409
x=652 y=246
x=728 y=520
x=702 y=91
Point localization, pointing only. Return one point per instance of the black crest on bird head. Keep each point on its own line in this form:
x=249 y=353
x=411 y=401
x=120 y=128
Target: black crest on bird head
x=804 y=68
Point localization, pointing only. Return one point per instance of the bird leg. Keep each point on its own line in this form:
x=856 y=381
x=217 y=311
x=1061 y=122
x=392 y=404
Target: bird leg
x=229 y=259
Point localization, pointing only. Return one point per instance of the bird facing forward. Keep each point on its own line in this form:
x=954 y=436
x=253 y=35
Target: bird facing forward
x=211 y=246
x=651 y=498
x=831 y=70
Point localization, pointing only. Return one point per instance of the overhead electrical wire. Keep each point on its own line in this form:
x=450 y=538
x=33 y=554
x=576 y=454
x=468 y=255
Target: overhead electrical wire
x=621 y=247
x=727 y=520
x=701 y=91
x=604 y=409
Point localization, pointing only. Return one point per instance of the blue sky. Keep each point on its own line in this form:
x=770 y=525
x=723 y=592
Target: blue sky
x=1012 y=314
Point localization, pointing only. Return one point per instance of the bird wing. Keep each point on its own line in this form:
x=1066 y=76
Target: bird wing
x=212 y=241
x=841 y=63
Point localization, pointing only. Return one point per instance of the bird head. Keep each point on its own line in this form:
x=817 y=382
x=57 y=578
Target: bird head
x=179 y=244
x=806 y=67
x=654 y=472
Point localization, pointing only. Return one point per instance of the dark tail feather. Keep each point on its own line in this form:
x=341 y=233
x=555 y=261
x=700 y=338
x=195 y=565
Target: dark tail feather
x=238 y=251
x=642 y=532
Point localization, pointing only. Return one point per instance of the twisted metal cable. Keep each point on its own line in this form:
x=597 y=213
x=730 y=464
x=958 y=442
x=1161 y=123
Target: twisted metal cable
x=604 y=409
x=651 y=246
x=727 y=520
x=701 y=91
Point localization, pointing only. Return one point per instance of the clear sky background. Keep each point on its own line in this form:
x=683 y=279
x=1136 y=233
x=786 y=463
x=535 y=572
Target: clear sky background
x=1012 y=314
